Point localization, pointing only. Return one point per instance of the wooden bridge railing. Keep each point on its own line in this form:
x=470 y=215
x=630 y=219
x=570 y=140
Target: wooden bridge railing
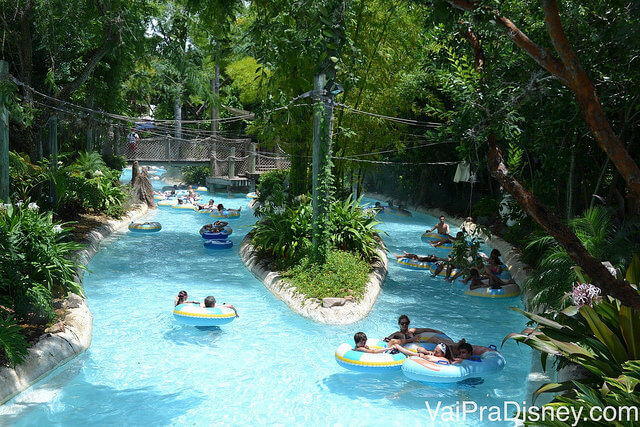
x=226 y=157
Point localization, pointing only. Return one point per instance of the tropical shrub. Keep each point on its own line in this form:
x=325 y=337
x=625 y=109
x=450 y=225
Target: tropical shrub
x=196 y=175
x=87 y=184
x=598 y=333
x=555 y=272
x=114 y=161
x=273 y=191
x=285 y=235
x=465 y=253
x=344 y=274
x=25 y=178
x=12 y=342
x=35 y=260
x=352 y=228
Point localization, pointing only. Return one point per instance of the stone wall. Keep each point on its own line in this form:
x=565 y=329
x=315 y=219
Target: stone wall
x=333 y=311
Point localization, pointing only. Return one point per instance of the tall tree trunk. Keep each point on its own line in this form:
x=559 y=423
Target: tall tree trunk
x=25 y=50
x=563 y=235
x=570 y=72
x=177 y=114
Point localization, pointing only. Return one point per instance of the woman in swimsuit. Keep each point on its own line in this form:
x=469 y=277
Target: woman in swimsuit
x=405 y=334
x=181 y=298
x=494 y=265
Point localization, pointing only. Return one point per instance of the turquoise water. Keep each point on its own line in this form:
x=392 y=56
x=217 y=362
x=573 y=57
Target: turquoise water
x=270 y=365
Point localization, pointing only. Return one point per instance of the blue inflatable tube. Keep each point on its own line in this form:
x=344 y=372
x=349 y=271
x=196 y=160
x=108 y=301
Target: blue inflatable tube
x=218 y=244
x=208 y=235
x=191 y=314
x=226 y=229
x=421 y=370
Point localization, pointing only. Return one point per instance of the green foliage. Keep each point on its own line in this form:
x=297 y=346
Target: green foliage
x=249 y=79
x=353 y=229
x=36 y=260
x=25 y=178
x=196 y=175
x=273 y=188
x=12 y=342
x=88 y=184
x=115 y=162
x=34 y=301
x=284 y=232
x=487 y=206
x=344 y=274
x=604 y=339
x=555 y=273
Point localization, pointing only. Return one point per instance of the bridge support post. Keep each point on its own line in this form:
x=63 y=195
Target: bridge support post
x=167 y=148
x=253 y=147
x=214 y=163
x=212 y=159
x=232 y=162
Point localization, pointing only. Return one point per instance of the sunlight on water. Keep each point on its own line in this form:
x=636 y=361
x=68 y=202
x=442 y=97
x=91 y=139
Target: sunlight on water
x=268 y=366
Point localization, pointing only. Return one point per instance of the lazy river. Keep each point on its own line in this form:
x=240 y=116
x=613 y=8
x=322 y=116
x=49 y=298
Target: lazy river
x=270 y=365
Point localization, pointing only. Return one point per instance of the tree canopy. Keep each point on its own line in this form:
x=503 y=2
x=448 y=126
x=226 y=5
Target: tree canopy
x=425 y=85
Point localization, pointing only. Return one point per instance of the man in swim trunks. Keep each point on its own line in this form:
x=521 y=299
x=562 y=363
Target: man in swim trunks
x=447 y=239
x=443 y=227
x=405 y=334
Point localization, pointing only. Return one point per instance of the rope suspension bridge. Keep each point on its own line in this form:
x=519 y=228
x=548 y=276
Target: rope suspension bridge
x=232 y=162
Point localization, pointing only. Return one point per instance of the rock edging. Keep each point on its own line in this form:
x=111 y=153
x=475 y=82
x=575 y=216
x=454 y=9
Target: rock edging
x=72 y=334
x=332 y=311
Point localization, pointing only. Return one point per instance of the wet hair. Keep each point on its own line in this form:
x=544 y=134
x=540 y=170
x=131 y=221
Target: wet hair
x=182 y=297
x=447 y=354
x=447 y=350
x=495 y=254
x=210 y=301
x=466 y=346
x=220 y=206
x=441 y=217
x=359 y=337
x=403 y=317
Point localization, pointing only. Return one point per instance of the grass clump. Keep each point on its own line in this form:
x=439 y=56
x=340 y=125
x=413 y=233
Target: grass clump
x=344 y=274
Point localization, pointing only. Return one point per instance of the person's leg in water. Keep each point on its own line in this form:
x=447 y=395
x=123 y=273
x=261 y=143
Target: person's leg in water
x=455 y=276
x=439 y=266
